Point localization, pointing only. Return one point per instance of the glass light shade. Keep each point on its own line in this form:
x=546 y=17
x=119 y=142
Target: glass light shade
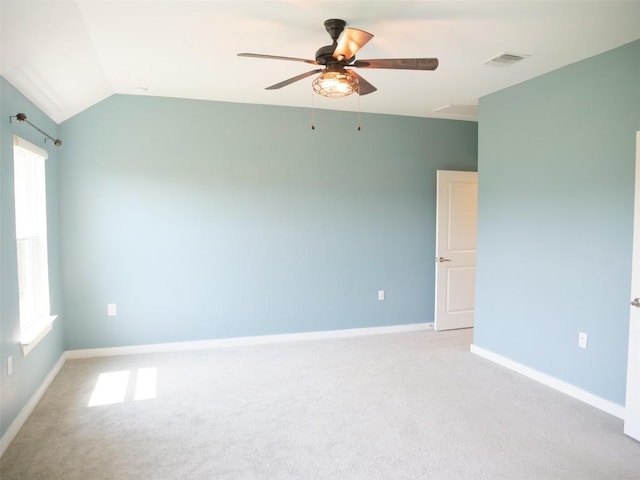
x=335 y=83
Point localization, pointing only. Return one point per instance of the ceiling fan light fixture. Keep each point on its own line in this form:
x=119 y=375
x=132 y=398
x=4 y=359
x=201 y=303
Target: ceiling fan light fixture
x=335 y=84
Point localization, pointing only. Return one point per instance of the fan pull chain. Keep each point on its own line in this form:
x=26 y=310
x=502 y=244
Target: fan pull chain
x=313 y=114
x=358 y=120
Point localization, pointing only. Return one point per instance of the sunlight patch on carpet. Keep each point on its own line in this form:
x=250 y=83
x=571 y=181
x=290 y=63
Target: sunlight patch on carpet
x=120 y=386
x=146 y=383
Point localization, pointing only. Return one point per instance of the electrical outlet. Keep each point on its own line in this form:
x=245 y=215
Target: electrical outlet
x=380 y=294
x=9 y=365
x=111 y=309
x=582 y=340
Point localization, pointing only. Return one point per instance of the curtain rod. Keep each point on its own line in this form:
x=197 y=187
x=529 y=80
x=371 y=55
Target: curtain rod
x=21 y=117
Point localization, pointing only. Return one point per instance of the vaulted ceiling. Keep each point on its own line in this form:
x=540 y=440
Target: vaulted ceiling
x=68 y=55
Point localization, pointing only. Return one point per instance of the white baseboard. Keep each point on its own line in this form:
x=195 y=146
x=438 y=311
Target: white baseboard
x=605 y=405
x=22 y=417
x=243 y=341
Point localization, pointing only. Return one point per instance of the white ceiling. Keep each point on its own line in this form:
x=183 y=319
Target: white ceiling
x=68 y=55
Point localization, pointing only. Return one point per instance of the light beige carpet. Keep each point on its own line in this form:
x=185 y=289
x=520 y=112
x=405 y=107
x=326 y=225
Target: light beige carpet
x=395 y=406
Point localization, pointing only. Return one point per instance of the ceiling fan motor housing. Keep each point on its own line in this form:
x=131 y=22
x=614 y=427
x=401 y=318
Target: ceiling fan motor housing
x=324 y=55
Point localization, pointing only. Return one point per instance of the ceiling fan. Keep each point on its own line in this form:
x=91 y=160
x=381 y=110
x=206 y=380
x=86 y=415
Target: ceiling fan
x=336 y=80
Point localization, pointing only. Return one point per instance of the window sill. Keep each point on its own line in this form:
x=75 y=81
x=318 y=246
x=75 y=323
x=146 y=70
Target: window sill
x=33 y=335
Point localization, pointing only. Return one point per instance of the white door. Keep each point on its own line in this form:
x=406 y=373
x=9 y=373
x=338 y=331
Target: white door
x=456 y=220
x=632 y=403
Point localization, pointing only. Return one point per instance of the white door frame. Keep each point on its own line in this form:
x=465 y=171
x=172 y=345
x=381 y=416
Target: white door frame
x=632 y=402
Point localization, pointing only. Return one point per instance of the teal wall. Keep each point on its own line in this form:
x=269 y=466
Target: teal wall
x=30 y=371
x=206 y=220
x=556 y=184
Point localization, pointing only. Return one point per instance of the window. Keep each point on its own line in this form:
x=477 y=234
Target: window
x=31 y=242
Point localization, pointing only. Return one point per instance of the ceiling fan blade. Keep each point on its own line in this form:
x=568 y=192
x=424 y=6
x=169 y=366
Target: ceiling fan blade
x=398 y=63
x=291 y=80
x=364 y=87
x=350 y=42
x=276 y=57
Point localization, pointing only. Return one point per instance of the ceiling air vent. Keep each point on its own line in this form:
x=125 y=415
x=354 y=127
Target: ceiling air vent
x=467 y=110
x=505 y=59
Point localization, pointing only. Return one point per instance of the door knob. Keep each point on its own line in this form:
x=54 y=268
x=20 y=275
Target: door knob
x=636 y=302
x=442 y=259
